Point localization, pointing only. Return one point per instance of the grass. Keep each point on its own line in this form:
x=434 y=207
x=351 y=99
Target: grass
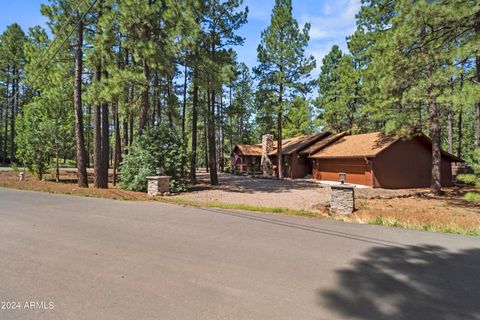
x=455 y=229
x=472 y=197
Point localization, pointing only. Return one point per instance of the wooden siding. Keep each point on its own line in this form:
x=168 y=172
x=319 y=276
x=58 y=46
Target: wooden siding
x=407 y=164
x=404 y=164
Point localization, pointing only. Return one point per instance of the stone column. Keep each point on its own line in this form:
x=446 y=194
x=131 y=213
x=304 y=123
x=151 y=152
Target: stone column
x=158 y=185
x=342 y=199
x=266 y=163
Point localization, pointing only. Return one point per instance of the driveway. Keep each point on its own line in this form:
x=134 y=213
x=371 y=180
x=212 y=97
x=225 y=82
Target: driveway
x=105 y=259
x=297 y=194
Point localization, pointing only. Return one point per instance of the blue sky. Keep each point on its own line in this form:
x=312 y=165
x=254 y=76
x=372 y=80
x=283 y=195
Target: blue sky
x=331 y=20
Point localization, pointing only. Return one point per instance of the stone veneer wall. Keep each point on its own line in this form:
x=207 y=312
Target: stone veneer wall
x=158 y=184
x=342 y=199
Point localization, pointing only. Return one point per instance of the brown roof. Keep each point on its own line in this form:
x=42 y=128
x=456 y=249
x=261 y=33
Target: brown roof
x=292 y=145
x=320 y=144
x=367 y=145
x=357 y=146
x=289 y=146
x=249 y=149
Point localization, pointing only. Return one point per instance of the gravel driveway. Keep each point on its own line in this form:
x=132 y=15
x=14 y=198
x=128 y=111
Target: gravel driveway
x=293 y=194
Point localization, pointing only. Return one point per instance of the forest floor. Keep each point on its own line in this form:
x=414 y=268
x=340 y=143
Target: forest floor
x=411 y=208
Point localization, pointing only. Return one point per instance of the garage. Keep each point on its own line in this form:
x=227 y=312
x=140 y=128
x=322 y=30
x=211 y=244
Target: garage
x=357 y=170
x=381 y=161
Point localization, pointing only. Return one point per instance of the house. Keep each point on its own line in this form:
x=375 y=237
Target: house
x=382 y=161
x=247 y=158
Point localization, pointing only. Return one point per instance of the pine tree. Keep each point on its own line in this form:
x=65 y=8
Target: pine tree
x=283 y=67
x=12 y=59
x=298 y=119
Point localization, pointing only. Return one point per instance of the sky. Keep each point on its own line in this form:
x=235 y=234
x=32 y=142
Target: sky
x=331 y=21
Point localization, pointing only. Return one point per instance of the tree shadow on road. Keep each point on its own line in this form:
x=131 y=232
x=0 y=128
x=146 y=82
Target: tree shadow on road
x=415 y=282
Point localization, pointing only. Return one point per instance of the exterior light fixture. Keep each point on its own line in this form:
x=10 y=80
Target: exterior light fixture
x=343 y=177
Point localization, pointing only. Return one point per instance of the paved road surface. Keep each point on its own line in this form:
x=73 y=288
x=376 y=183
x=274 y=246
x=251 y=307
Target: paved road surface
x=102 y=259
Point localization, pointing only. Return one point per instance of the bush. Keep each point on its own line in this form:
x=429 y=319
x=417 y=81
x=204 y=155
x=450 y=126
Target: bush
x=469 y=179
x=159 y=147
x=472 y=196
x=178 y=186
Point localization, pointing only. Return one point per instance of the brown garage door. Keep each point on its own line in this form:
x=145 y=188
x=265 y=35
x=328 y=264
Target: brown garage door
x=357 y=170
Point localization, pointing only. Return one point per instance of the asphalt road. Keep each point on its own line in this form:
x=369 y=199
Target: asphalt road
x=82 y=258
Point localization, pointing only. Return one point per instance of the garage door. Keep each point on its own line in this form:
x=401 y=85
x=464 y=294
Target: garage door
x=357 y=170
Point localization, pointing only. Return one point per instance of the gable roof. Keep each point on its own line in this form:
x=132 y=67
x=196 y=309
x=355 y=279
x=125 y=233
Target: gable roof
x=296 y=144
x=249 y=149
x=357 y=146
x=367 y=145
x=289 y=146
x=322 y=143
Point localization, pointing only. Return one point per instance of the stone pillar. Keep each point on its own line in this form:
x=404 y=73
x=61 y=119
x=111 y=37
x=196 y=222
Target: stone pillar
x=342 y=199
x=266 y=163
x=158 y=185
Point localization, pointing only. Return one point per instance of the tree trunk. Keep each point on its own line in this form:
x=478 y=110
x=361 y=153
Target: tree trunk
x=77 y=102
x=211 y=142
x=435 y=185
x=450 y=130
x=184 y=106
x=205 y=135
x=193 y=156
x=460 y=134
x=155 y=107
x=279 y=135
x=105 y=146
x=88 y=133
x=118 y=148
x=125 y=136
x=184 y=110
x=279 y=147
x=5 y=141
x=131 y=130
x=57 y=167
x=4 y=157
x=12 y=114
x=221 y=138
x=170 y=101
x=97 y=137
x=144 y=106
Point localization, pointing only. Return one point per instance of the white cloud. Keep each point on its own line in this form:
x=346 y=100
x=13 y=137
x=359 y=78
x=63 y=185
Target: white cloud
x=330 y=23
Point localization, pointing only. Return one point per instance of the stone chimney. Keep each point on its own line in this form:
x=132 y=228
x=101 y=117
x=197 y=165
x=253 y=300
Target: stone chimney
x=267 y=146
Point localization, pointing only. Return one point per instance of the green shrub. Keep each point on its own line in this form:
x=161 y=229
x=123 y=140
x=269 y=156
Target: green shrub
x=159 y=147
x=178 y=186
x=472 y=196
x=469 y=178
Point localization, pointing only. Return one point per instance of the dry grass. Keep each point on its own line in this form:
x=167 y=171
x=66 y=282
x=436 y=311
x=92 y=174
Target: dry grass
x=450 y=213
x=67 y=185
